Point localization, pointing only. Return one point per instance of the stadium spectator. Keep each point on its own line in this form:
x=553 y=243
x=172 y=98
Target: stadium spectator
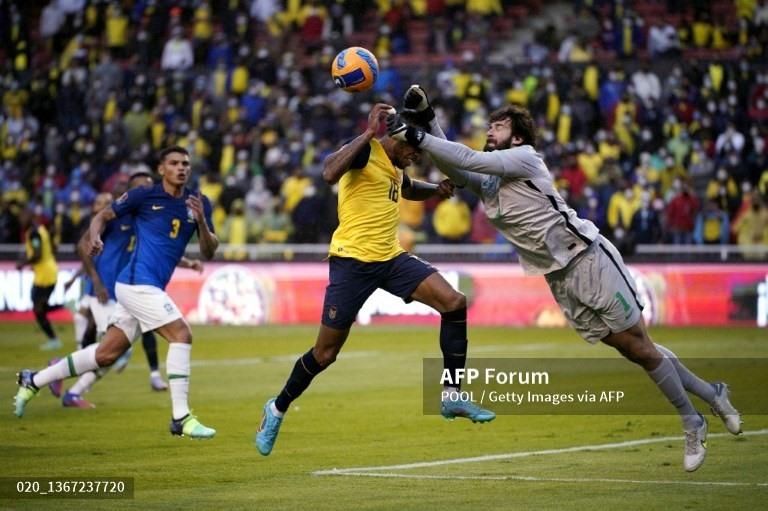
x=90 y=97
x=177 y=53
x=681 y=215
x=663 y=41
x=712 y=225
x=452 y=220
x=723 y=189
x=276 y=224
x=751 y=228
x=645 y=227
x=235 y=232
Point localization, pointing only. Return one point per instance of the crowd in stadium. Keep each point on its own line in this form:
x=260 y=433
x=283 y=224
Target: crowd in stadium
x=654 y=121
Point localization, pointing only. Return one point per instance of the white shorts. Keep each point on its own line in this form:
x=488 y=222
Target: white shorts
x=85 y=302
x=102 y=312
x=142 y=308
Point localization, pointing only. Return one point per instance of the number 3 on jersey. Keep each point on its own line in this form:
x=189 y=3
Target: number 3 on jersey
x=175 y=226
x=394 y=191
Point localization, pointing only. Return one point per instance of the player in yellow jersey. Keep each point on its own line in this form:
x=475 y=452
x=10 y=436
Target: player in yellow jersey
x=40 y=254
x=365 y=255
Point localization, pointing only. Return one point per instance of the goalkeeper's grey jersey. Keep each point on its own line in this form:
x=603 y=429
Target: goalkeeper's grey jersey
x=521 y=201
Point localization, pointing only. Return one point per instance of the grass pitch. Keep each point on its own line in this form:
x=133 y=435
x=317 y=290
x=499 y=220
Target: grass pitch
x=366 y=411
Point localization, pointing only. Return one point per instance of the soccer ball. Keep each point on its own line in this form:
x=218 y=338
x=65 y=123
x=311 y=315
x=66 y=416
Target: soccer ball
x=354 y=69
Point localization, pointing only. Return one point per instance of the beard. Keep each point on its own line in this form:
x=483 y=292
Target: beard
x=499 y=146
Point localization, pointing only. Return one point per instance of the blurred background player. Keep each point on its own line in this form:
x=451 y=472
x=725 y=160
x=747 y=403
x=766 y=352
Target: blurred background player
x=364 y=255
x=82 y=319
x=584 y=271
x=40 y=254
x=165 y=217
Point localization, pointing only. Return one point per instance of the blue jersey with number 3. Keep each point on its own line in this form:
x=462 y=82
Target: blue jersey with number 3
x=164 y=225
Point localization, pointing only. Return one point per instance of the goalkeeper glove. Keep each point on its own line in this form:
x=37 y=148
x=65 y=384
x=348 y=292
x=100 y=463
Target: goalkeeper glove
x=399 y=130
x=416 y=107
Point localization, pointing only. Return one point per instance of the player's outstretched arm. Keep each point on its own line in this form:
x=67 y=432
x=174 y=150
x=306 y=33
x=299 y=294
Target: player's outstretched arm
x=75 y=275
x=94 y=245
x=515 y=162
x=206 y=238
x=338 y=163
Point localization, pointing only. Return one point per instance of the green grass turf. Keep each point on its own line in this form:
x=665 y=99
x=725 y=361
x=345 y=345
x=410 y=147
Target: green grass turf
x=365 y=411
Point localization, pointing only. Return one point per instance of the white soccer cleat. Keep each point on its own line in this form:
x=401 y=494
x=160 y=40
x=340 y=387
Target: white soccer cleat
x=723 y=408
x=157 y=383
x=695 y=446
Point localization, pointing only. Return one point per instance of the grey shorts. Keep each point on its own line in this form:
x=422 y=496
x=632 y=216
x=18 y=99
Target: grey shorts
x=596 y=292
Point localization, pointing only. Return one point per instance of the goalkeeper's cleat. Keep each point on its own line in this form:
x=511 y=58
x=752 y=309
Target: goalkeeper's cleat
x=266 y=435
x=71 y=400
x=51 y=345
x=57 y=385
x=723 y=408
x=191 y=427
x=452 y=408
x=121 y=363
x=695 y=446
x=157 y=383
x=27 y=390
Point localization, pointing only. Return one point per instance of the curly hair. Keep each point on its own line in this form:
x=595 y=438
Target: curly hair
x=521 y=121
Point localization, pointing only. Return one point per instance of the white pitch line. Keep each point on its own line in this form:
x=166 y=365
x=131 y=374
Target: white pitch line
x=524 y=454
x=541 y=479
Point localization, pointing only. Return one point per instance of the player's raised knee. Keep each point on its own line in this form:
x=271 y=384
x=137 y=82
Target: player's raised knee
x=457 y=301
x=107 y=355
x=325 y=357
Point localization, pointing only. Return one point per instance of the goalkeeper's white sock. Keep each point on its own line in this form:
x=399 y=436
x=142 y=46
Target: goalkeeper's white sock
x=669 y=383
x=177 y=367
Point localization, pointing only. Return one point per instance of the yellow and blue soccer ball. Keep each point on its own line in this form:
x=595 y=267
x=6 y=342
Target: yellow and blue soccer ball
x=354 y=69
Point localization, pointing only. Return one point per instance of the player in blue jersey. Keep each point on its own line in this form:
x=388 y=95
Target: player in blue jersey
x=165 y=217
x=102 y=270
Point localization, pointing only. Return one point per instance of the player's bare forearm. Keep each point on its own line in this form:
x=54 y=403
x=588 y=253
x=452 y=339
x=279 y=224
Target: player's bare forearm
x=420 y=190
x=337 y=164
x=85 y=256
x=94 y=244
x=192 y=264
x=207 y=240
x=75 y=275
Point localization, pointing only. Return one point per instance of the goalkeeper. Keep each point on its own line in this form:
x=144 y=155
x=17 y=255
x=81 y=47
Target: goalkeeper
x=585 y=272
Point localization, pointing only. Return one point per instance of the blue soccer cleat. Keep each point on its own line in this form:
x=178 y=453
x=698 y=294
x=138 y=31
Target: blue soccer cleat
x=26 y=392
x=191 y=427
x=452 y=408
x=268 y=429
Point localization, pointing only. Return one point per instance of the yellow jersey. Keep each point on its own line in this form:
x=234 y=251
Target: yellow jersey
x=369 y=213
x=45 y=269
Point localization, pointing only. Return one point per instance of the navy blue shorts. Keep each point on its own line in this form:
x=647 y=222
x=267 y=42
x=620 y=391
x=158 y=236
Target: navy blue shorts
x=351 y=282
